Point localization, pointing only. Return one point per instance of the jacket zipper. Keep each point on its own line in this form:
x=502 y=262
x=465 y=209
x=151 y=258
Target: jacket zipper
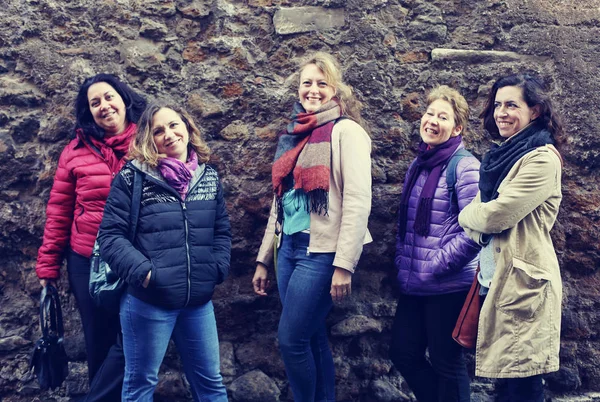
x=187 y=249
x=185 y=222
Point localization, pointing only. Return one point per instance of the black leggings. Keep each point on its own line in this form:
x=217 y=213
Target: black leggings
x=426 y=322
x=100 y=328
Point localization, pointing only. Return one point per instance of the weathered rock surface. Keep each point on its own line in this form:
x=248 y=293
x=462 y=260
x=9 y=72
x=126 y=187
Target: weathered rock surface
x=254 y=386
x=356 y=325
x=231 y=64
x=306 y=19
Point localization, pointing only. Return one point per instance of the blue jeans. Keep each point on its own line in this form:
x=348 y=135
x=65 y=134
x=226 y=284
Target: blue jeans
x=147 y=330
x=304 y=281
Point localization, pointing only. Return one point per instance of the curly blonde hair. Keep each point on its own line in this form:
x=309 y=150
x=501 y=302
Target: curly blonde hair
x=331 y=69
x=454 y=98
x=143 y=148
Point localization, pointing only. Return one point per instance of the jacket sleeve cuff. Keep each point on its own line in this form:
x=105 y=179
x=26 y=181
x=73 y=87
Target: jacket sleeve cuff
x=344 y=264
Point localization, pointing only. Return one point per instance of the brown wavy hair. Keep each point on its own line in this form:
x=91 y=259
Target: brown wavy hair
x=144 y=149
x=332 y=71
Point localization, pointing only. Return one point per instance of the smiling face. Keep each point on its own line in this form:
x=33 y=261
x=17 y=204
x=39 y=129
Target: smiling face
x=107 y=108
x=437 y=124
x=314 y=90
x=170 y=134
x=511 y=112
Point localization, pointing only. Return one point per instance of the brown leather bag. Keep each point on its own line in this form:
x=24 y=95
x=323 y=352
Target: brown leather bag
x=465 y=330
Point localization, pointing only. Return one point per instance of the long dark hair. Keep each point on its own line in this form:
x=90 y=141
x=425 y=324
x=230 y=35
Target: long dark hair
x=534 y=94
x=134 y=104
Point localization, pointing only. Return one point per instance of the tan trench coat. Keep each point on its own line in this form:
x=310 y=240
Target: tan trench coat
x=519 y=325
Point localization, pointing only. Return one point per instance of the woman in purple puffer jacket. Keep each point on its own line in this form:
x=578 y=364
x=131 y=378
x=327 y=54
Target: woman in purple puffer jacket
x=435 y=259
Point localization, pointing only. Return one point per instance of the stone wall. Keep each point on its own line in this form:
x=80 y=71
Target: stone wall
x=230 y=62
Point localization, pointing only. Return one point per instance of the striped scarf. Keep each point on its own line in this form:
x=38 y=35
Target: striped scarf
x=303 y=156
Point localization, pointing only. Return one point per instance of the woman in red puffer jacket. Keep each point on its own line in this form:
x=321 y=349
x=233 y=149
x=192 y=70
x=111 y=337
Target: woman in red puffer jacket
x=107 y=111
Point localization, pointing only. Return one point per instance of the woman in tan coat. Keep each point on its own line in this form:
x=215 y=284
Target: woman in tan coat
x=511 y=217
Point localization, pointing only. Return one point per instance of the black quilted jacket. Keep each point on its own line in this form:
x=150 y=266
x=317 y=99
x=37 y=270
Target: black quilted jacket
x=186 y=244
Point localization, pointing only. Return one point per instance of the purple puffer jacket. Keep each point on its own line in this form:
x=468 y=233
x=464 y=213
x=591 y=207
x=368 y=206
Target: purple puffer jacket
x=445 y=261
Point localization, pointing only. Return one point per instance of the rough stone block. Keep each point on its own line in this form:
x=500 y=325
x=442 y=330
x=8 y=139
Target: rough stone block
x=255 y=386
x=356 y=325
x=76 y=382
x=384 y=309
x=141 y=55
x=26 y=130
x=171 y=385
x=475 y=56
x=194 y=52
x=426 y=31
x=227 y=358
x=306 y=19
x=235 y=131
x=195 y=8
x=153 y=29
x=14 y=91
x=14 y=342
x=205 y=104
x=262 y=353
x=163 y=8
x=384 y=391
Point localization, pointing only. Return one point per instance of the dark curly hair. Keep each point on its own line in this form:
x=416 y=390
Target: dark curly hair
x=135 y=104
x=534 y=94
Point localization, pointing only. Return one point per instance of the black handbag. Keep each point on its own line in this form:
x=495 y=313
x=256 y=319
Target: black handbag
x=106 y=287
x=48 y=358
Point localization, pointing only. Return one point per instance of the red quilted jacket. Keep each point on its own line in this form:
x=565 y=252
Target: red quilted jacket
x=74 y=211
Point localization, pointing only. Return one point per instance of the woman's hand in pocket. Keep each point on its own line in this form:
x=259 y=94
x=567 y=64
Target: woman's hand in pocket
x=147 y=280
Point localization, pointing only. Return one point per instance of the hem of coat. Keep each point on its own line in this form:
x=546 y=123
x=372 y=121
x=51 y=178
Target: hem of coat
x=171 y=303
x=516 y=374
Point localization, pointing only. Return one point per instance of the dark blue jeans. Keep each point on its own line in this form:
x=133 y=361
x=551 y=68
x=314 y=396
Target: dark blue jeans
x=304 y=281
x=426 y=322
x=147 y=330
x=528 y=389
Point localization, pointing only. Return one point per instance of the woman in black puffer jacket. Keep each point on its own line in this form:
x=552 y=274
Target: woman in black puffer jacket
x=180 y=251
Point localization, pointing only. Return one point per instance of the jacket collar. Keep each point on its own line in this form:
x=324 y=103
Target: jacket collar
x=155 y=173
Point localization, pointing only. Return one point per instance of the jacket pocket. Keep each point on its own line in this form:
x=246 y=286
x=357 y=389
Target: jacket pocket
x=524 y=291
x=76 y=219
x=221 y=271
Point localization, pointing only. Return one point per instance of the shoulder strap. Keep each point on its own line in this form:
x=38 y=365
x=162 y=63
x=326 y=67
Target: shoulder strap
x=451 y=173
x=136 y=198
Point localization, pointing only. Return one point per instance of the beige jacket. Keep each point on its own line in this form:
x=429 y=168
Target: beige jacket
x=344 y=229
x=519 y=325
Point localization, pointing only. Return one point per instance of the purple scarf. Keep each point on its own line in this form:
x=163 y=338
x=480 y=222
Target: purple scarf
x=431 y=160
x=178 y=174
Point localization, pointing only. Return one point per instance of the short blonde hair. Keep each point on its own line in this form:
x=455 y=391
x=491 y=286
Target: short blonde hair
x=143 y=148
x=454 y=98
x=333 y=74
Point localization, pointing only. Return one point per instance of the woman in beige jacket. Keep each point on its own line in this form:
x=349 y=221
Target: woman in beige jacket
x=322 y=200
x=511 y=216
